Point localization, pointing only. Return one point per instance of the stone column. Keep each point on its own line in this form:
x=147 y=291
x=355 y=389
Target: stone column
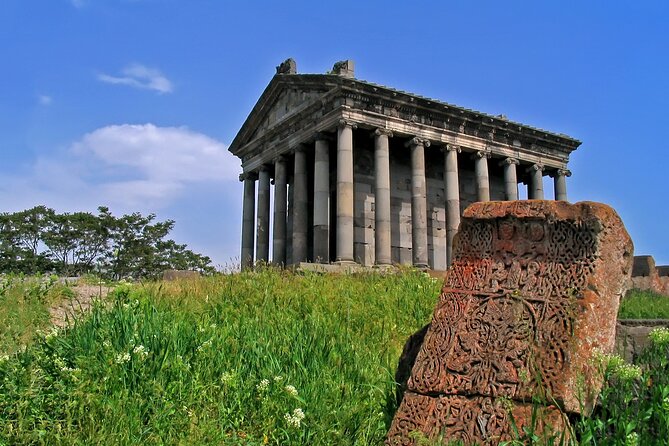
x=280 y=214
x=452 y=188
x=536 y=188
x=322 y=199
x=262 y=232
x=301 y=207
x=510 y=179
x=345 y=196
x=418 y=202
x=248 y=218
x=482 y=180
x=382 y=240
x=560 y=184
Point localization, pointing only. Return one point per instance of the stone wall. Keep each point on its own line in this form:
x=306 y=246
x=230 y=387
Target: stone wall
x=632 y=335
x=647 y=276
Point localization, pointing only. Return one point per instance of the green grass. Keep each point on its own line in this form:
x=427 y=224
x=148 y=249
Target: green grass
x=639 y=304
x=268 y=357
x=185 y=363
x=24 y=308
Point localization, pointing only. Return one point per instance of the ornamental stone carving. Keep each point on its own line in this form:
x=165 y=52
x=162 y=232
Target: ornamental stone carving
x=532 y=294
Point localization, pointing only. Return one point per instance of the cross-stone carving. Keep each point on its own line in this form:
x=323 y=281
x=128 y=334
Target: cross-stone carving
x=532 y=294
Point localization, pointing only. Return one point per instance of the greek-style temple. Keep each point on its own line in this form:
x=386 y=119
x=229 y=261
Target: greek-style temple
x=367 y=174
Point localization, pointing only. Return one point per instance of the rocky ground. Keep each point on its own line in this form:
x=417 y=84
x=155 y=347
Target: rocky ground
x=66 y=310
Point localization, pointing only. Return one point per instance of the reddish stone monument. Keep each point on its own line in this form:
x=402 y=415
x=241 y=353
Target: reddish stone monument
x=533 y=292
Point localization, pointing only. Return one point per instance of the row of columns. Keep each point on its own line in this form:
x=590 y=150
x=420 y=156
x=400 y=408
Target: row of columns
x=345 y=200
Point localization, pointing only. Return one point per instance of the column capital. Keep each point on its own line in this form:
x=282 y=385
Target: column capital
x=482 y=154
x=563 y=172
x=452 y=147
x=298 y=148
x=416 y=141
x=347 y=123
x=382 y=132
x=248 y=176
x=536 y=167
x=263 y=168
x=508 y=161
x=280 y=159
x=322 y=136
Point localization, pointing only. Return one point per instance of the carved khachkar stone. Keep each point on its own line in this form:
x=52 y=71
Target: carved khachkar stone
x=532 y=294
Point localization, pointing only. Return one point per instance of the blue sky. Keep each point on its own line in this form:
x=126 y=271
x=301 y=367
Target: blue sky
x=132 y=103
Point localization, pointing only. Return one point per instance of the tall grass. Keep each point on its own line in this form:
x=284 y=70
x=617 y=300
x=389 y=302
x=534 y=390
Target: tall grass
x=254 y=358
x=24 y=308
x=640 y=304
x=265 y=357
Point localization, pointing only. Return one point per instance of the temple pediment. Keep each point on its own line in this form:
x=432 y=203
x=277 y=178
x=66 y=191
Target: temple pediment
x=285 y=96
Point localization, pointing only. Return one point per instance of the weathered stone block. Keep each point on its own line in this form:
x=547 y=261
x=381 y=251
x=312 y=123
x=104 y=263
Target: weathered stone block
x=532 y=294
x=405 y=257
x=178 y=274
x=472 y=420
x=643 y=266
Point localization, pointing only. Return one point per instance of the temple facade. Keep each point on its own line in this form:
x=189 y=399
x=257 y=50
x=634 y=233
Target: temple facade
x=367 y=174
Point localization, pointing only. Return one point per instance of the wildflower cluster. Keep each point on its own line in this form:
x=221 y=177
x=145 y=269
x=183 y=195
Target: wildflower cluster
x=62 y=365
x=204 y=345
x=227 y=377
x=263 y=385
x=141 y=351
x=622 y=370
x=122 y=358
x=659 y=337
x=294 y=419
x=291 y=390
x=51 y=334
x=632 y=439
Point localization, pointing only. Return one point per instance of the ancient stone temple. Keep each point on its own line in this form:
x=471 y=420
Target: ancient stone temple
x=369 y=174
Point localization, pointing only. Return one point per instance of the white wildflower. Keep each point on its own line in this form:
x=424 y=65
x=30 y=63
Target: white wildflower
x=4 y=358
x=227 y=377
x=52 y=334
x=106 y=343
x=122 y=358
x=623 y=370
x=278 y=378
x=141 y=351
x=263 y=385
x=294 y=419
x=204 y=345
x=659 y=336
x=632 y=439
x=291 y=390
x=213 y=326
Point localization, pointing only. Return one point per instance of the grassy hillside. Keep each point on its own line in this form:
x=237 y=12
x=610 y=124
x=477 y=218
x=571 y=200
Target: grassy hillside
x=227 y=360
x=249 y=359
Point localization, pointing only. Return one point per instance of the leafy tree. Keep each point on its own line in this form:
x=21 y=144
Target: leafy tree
x=76 y=241
x=20 y=237
x=133 y=246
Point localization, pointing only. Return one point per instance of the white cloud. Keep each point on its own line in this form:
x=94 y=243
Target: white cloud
x=140 y=76
x=174 y=172
x=129 y=167
x=44 y=99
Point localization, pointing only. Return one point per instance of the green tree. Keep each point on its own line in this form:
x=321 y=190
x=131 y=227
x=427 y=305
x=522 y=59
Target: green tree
x=133 y=246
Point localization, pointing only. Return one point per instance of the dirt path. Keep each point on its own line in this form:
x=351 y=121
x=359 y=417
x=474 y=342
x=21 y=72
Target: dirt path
x=65 y=311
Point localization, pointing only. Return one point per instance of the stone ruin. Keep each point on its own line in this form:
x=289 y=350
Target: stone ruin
x=647 y=276
x=532 y=295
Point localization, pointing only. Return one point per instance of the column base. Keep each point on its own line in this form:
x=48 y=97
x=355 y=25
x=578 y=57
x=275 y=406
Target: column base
x=421 y=266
